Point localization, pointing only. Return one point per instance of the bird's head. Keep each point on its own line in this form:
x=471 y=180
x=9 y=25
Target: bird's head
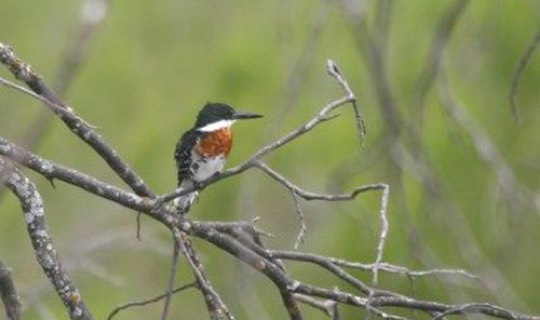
x=215 y=116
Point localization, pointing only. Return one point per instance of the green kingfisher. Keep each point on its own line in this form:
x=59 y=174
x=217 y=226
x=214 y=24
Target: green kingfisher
x=202 y=151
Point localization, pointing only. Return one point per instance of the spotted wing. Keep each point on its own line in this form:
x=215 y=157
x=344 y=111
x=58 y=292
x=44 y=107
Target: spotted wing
x=182 y=155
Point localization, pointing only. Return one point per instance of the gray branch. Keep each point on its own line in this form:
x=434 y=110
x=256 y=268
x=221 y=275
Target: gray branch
x=9 y=295
x=47 y=257
x=24 y=72
x=240 y=239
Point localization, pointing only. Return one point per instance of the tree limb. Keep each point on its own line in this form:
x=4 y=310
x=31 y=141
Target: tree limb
x=24 y=72
x=239 y=239
x=9 y=295
x=47 y=257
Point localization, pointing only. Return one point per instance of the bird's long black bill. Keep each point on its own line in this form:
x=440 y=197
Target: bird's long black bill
x=245 y=115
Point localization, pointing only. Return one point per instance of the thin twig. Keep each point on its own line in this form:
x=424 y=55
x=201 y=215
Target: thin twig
x=383 y=234
x=54 y=107
x=414 y=304
x=319 y=118
x=300 y=238
x=281 y=279
x=333 y=70
x=291 y=306
x=172 y=275
x=307 y=195
x=215 y=305
x=383 y=266
x=311 y=196
x=296 y=191
x=326 y=306
x=253 y=252
x=148 y=301
x=473 y=308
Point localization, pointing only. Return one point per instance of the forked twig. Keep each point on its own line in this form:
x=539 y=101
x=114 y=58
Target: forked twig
x=238 y=239
x=319 y=118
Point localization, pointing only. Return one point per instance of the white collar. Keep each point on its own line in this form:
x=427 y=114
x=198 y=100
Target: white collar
x=218 y=125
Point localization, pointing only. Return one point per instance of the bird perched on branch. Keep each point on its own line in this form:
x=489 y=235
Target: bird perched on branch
x=202 y=151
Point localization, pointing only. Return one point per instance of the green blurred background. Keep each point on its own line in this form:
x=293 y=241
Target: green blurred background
x=151 y=65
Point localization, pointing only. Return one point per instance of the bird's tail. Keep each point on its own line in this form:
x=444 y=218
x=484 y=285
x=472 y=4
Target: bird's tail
x=183 y=203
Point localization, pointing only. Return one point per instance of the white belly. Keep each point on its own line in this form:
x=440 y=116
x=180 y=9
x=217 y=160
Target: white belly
x=207 y=167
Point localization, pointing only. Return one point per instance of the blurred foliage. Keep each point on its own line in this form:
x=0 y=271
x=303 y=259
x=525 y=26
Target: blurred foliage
x=153 y=64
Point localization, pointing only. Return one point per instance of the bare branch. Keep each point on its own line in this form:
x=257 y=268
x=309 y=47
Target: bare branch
x=410 y=303
x=327 y=306
x=289 y=301
x=52 y=170
x=384 y=267
x=344 y=275
x=31 y=93
x=470 y=308
x=34 y=217
x=373 y=303
x=296 y=191
x=384 y=232
x=333 y=70
x=242 y=239
x=216 y=307
x=128 y=305
x=24 y=72
x=9 y=295
x=307 y=195
x=254 y=243
x=300 y=238
x=172 y=275
x=322 y=116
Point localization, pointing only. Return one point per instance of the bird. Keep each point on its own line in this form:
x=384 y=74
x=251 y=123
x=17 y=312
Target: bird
x=202 y=151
